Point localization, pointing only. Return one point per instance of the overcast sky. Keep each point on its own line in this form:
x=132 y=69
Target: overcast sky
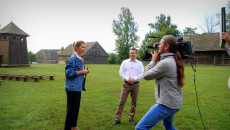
x=52 y=24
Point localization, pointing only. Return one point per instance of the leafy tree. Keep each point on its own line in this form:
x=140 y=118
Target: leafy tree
x=163 y=26
x=32 y=57
x=142 y=49
x=62 y=48
x=125 y=29
x=189 y=31
x=112 y=58
x=228 y=16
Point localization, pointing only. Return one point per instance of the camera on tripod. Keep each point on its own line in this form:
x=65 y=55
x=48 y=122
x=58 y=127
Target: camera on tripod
x=185 y=48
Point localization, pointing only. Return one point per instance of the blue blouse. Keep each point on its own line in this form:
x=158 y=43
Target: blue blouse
x=73 y=82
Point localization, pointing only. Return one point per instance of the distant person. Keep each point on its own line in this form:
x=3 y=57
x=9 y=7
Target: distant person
x=131 y=71
x=74 y=84
x=226 y=37
x=167 y=69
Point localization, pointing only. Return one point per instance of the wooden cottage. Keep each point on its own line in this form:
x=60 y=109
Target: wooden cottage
x=13 y=46
x=48 y=56
x=207 y=49
x=94 y=54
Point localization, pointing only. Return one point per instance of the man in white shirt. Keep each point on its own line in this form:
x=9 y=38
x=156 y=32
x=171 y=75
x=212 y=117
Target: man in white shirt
x=131 y=71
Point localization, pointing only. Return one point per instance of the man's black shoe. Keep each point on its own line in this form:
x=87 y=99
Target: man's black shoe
x=132 y=121
x=116 y=122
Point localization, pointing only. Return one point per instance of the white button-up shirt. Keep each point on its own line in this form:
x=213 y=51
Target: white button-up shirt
x=131 y=69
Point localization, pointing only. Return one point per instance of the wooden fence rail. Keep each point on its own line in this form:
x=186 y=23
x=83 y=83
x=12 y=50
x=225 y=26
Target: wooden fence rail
x=36 y=78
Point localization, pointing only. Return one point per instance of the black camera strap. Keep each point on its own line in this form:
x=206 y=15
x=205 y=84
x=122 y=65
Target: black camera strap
x=194 y=69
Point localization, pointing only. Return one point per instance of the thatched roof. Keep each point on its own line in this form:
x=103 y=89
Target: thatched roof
x=48 y=54
x=11 y=28
x=205 y=42
x=69 y=49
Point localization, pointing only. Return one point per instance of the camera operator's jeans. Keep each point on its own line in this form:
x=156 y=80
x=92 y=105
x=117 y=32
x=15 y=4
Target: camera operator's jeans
x=157 y=113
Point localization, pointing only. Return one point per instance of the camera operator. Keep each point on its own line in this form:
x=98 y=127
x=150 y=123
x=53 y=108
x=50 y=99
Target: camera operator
x=167 y=69
x=226 y=37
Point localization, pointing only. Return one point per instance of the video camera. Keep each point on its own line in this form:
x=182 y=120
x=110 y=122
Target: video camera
x=185 y=48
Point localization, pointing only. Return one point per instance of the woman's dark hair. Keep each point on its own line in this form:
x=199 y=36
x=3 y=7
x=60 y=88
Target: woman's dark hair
x=173 y=47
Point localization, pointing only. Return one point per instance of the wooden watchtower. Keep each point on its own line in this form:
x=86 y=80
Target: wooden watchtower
x=13 y=46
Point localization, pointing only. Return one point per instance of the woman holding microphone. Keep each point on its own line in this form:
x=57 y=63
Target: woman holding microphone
x=75 y=74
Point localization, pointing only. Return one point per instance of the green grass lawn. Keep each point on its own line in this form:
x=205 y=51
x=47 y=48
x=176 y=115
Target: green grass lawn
x=42 y=105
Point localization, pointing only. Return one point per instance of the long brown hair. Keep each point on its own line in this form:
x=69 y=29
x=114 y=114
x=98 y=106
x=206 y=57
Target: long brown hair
x=173 y=47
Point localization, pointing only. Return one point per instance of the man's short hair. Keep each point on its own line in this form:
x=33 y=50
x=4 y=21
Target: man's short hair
x=134 y=49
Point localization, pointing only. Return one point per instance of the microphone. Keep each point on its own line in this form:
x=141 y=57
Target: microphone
x=153 y=37
x=223 y=25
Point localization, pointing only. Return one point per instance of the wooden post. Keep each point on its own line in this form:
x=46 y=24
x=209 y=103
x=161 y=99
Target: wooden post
x=26 y=78
x=1 y=82
x=18 y=77
x=51 y=77
x=214 y=60
x=36 y=79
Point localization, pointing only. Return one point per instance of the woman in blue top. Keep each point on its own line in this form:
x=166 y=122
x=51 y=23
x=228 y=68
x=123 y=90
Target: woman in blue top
x=75 y=74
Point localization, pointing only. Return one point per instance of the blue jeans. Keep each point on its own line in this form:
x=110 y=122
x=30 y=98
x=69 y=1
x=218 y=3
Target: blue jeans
x=157 y=113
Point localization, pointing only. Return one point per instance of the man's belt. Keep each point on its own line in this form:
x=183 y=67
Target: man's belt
x=131 y=84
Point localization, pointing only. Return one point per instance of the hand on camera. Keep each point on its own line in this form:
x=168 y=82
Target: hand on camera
x=155 y=56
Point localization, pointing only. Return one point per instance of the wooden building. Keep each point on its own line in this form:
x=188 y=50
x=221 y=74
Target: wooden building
x=207 y=49
x=48 y=56
x=13 y=46
x=94 y=54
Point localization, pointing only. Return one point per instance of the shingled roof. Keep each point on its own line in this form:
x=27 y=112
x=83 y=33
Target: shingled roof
x=11 y=28
x=48 y=54
x=205 y=42
x=69 y=49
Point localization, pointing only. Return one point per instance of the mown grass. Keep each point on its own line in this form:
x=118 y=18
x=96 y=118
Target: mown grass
x=42 y=105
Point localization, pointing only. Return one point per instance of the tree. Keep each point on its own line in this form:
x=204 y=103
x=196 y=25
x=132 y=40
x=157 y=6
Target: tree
x=189 y=31
x=227 y=17
x=209 y=24
x=125 y=29
x=163 y=26
x=32 y=57
x=142 y=49
x=112 y=59
x=62 y=48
